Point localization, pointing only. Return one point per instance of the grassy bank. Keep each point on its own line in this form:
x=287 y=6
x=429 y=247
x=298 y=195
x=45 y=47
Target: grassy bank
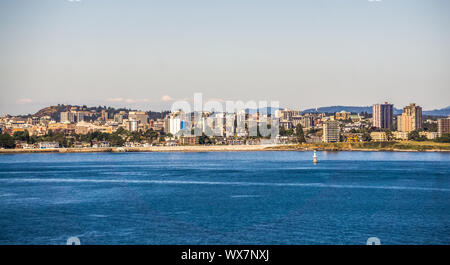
x=371 y=146
x=365 y=146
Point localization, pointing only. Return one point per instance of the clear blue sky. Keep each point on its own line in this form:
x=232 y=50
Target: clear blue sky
x=141 y=53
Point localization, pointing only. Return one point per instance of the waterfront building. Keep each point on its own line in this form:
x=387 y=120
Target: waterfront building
x=101 y=144
x=82 y=145
x=312 y=139
x=383 y=115
x=46 y=145
x=443 y=126
x=378 y=136
x=189 y=140
x=429 y=135
x=330 y=132
x=411 y=118
x=400 y=135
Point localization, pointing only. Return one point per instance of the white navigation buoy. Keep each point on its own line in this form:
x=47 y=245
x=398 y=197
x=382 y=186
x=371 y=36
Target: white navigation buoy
x=315 y=157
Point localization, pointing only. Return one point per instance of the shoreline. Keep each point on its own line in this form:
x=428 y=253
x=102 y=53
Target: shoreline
x=232 y=148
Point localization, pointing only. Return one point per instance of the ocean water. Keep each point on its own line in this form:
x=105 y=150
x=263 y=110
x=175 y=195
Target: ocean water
x=225 y=198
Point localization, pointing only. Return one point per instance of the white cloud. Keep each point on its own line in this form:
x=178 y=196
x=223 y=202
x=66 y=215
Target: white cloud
x=24 y=101
x=166 y=98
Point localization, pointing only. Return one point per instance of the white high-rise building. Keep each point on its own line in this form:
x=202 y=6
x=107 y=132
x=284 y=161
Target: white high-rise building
x=330 y=132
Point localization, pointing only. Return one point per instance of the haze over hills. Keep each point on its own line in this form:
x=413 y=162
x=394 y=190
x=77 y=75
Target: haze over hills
x=54 y=111
x=368 y=109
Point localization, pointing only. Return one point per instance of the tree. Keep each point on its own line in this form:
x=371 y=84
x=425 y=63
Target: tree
x=150 y=135
x=445 y=138
x=415 y=136
x=290 y=132
x=121 y=131
x=204 y=139
x=366 y=137
x=116 y=140
x=7 y=141
x=22 y=136
x=389 y=135
x=136 y=137
x=430 y=127
x=300 y=134
x=282 y=131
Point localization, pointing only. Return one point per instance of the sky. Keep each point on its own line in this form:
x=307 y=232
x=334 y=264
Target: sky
x=147 y=54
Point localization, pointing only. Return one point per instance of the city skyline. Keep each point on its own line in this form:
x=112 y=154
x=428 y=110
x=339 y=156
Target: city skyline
x=146 y=54
x=149 y=108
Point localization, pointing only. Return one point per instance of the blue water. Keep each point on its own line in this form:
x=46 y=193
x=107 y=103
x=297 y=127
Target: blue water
x=225 y=198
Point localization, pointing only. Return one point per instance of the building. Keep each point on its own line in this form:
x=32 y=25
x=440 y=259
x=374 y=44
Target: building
x=66 y=128
x=80 y=116
x=288 y=118
x=383 y=115
x=306 y=121
x=330 y=132
x=411 y=118
x=378 y=136
x=189 y=140
x=286 y=114
x=343 y=115
x=67 y=117
x=312 y=139
x=443 y=126
x=157 y=125
x=175 y=122
x=101 y=144
x=132 y=125
x=104 y=115
x=355 y=117
x=140 y=116
x=429 y=135
x=119 y=117
x=400 y=135
x=46 y=145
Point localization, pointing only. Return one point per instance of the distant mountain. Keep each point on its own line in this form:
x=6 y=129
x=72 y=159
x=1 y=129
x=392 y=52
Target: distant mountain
x=438 y=112
x=368 y=109
x=334 y=109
